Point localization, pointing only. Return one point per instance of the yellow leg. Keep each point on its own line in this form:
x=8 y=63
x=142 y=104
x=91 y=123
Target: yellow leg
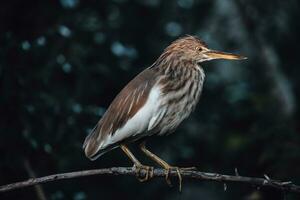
x=138 y=166
x=163 y=163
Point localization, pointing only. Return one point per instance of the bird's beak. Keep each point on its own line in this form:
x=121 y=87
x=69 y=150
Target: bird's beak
x=212 y=54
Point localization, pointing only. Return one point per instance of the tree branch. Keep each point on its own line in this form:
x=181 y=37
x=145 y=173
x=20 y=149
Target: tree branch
x=259 y=182
x=38 y=188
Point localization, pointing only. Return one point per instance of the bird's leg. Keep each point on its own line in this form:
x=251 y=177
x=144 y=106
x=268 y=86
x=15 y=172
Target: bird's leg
x=162 y=163
x=137 y=165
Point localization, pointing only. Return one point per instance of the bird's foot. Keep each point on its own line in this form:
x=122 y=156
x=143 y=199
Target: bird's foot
x=178 y=170
x=141 y=176
x=167 y=177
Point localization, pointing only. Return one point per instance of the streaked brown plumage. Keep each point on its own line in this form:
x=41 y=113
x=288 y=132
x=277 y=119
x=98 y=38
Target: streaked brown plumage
x=156 y=101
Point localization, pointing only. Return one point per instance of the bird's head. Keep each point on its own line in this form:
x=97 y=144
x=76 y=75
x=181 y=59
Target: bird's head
x=192 y=49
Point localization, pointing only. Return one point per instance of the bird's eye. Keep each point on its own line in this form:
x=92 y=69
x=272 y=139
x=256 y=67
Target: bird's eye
x=200 y=48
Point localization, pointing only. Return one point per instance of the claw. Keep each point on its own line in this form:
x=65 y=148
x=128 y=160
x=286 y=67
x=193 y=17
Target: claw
x=167 y=177
x=179 y=178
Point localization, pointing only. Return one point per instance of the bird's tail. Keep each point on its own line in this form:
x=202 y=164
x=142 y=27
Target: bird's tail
x=92 y=145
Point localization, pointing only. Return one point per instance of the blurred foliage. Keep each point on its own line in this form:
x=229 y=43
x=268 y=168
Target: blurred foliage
x=62 y=63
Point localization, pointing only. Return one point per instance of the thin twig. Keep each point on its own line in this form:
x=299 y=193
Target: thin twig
x=259 y=182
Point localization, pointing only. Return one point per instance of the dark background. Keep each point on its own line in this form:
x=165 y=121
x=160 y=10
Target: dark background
x=63 y=62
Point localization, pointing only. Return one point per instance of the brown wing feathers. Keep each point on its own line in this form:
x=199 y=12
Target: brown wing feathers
x=124 y=107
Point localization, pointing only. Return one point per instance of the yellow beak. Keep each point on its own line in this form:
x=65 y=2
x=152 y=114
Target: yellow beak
x=222 y=55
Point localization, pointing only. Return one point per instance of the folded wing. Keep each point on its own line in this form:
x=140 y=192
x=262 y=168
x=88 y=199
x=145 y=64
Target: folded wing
x=132 y=113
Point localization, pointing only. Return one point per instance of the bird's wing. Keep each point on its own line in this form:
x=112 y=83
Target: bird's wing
x=132 y=112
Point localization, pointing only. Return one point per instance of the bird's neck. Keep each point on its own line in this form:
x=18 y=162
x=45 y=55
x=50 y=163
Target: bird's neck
x=175 y=73
x=174 y=65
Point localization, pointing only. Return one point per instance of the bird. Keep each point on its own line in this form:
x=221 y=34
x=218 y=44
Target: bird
x=155 y=103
